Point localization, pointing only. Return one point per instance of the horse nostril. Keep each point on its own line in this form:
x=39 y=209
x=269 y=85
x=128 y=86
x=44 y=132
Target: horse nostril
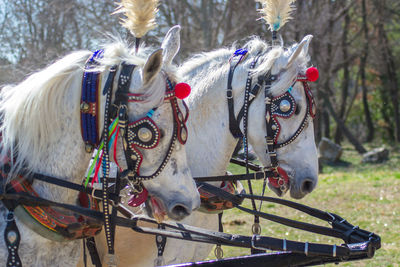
x=307 y=186
x=179 y=212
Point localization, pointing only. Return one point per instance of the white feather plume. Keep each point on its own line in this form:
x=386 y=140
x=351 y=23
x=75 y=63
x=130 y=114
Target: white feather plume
x=140 y=15
x=276 y=12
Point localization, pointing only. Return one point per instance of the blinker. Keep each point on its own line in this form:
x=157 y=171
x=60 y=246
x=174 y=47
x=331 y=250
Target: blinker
x=143 y=133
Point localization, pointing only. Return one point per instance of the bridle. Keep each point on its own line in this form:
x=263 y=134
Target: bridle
x=278 y=107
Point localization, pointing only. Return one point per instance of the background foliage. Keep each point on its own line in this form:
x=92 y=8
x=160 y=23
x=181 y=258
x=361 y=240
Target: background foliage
x=355 y=47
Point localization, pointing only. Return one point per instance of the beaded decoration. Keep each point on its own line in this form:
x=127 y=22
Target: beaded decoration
x=89 y=99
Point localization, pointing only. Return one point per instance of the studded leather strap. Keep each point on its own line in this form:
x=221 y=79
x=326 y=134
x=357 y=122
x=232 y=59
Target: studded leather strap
x=12 y=238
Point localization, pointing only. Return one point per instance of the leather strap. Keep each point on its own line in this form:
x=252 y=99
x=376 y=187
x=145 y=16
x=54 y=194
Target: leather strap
x=94 y=255
x=161 y=242
x=12 y=239
x=233 y=122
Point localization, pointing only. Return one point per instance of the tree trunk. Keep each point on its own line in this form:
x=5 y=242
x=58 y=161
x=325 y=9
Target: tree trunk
x=363 y=64
x=352 y=139
x=346 y=76
x=389 y=78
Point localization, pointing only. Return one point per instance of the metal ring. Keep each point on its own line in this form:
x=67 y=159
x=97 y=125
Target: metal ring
x=256 y=229
x=252 y=243
x=334 y=251
x=284 y=247
x=306 y=248
x=231 y=93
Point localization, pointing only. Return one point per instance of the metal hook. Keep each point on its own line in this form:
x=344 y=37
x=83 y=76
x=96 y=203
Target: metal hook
x=253 y=245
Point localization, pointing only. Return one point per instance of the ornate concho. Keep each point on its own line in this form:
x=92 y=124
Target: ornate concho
x=284 y=105
x=143 y=133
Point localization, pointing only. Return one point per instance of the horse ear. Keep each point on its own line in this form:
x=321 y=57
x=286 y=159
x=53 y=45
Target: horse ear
x=302 y=47
x=152 y=66
x=171 y=44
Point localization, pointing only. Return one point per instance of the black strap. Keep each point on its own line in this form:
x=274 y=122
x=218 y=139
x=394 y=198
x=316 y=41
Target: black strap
x=97 y=193
x=233 y=122
x=106 y=169
x=161 y=242
x=94 y=255
x=12 y=239
x=235 y=177
x=187 y=232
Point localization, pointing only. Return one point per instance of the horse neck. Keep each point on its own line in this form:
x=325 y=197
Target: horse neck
x=65 y=159
x=211 y=144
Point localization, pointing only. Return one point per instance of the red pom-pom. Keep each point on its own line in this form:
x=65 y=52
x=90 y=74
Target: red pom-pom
x=312 y=74
x=182 y=90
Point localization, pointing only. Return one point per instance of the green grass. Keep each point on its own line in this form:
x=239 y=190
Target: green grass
x=365 y=194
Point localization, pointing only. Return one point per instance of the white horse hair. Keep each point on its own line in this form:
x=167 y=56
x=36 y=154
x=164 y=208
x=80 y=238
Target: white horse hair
x=211 y=144
x=41 y=125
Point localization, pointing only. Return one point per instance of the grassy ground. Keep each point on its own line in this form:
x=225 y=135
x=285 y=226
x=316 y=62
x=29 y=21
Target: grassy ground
x=365 y=194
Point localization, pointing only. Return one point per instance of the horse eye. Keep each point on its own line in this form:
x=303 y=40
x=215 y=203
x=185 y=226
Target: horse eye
x=298 y=109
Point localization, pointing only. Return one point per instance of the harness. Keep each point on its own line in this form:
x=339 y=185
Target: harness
x=61 y=222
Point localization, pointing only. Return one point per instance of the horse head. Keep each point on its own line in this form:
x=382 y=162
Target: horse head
x=291 y=111
x=160 y=150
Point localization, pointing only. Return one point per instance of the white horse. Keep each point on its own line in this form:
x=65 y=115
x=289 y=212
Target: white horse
x=211 y=143
x=41 y=123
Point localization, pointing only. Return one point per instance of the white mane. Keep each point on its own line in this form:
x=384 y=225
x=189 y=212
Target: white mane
x=32 y=110
x=199 y=66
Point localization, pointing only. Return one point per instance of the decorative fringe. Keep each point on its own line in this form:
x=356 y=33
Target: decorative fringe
x=113 y=133
x=276 y=12
x=140 y=15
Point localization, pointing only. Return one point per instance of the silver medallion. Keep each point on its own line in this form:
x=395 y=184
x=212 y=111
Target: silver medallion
x=284 y=106
x=12 y=236
x=145 y=134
